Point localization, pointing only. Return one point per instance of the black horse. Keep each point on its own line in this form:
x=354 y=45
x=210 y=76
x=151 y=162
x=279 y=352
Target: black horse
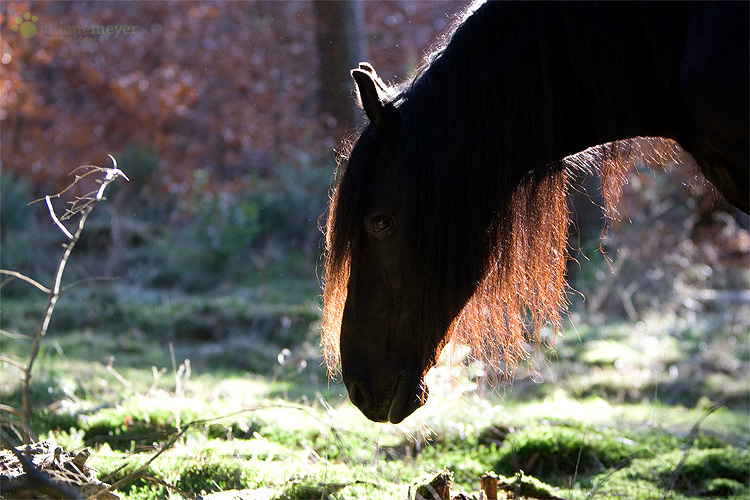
x=450 y=217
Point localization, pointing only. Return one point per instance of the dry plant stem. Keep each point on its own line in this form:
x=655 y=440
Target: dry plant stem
x=28 y=280
x=11 y=335
x=147 y=477
x=691 y=439
x=54 y=295
x=54 y=292
x=141 y=470
x=620 y=466
x=9 y=409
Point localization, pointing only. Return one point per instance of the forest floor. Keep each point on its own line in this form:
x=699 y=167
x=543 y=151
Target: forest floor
x=655 y=409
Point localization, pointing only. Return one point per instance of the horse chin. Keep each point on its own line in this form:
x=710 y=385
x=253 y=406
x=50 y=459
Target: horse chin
x=409 y=396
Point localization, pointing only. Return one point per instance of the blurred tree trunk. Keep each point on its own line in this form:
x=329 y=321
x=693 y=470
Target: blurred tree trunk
x=341 y=46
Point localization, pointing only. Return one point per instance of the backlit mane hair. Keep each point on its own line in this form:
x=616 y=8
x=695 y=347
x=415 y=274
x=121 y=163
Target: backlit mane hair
x=511 y=220
x=524 y=286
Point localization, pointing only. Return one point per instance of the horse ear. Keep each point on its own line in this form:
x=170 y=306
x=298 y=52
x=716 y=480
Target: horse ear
x=371 y=91
x=365 y=66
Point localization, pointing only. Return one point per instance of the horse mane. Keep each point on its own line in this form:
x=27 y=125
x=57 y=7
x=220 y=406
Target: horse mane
x=524 y=287
x=508 y=225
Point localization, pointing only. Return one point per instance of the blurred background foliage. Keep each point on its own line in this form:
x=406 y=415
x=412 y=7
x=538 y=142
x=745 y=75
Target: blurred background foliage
x=213 y=111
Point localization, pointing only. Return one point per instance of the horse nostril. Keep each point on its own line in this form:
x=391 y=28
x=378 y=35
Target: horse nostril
x=358 y=395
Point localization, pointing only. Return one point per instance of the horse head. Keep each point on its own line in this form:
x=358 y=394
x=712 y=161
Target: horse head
x=450 y=219
x=389 y=338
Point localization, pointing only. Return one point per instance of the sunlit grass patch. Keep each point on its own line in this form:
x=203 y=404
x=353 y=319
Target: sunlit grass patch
x=289 y=470
x=712 y=472
x=291 y=433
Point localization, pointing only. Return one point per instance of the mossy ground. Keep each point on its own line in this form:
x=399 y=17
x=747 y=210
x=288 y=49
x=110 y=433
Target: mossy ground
x=292 y=434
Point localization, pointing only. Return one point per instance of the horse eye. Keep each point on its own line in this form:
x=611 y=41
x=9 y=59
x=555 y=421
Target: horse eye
x=381 y=223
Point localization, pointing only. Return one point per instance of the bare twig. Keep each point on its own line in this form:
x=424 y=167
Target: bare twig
x=55 y=219
x=84 y=209
x=86 y=280
x=131 y=477
x=161 y=482
x=28 y=280
x=610 y=473
x=116 y=374
x=689 y=445
x=89 y=170
x=12 y=362
x=12 y=335
x=10 y=409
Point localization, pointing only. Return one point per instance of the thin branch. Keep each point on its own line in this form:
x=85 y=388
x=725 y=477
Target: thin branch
x=691 y=439
x=55 y=219
x=11 y=410
x=19 y=336
x=28 y=280
x=610 y=473
x=87 y=280
x=145 y=466
x=89 y=169
x=110 y=175
x=116 y=374
x=11 y=426
x=161 y=482
x=13 y=362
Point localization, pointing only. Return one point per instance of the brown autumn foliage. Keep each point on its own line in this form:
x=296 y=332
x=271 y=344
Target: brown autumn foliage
x=227 y=87
x=231 y=88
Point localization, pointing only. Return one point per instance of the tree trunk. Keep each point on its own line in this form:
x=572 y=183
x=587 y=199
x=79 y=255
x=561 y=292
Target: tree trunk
x=341 y=46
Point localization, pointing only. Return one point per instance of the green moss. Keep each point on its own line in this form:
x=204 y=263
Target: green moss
x=527 y=486
x=704 y=465
x=139 y=422
x=713 y=472
x=210 y=474
x=556 y=453
x=306 y=490
x=725 y=488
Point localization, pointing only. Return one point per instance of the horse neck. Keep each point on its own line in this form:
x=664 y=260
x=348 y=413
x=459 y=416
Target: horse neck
x=529 y=84
x=519 y=87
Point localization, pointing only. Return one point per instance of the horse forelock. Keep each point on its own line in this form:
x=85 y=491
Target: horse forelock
x=343 y=235
x=340 y=235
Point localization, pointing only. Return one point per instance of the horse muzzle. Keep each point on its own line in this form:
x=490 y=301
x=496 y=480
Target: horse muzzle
x=387 y=401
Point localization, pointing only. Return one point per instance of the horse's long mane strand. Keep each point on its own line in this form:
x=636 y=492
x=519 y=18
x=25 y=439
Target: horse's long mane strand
x=337 y=268
x=523 y=288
